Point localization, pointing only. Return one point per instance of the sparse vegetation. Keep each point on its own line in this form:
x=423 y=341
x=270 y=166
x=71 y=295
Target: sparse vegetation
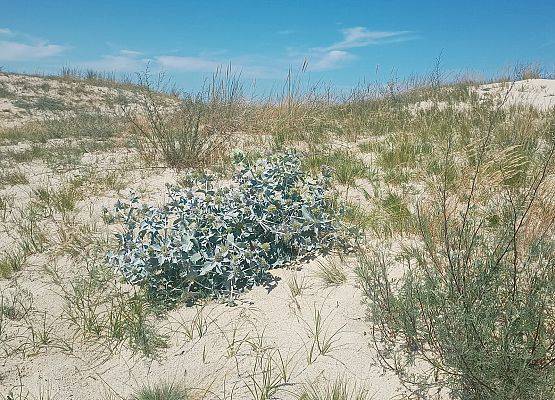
x=443 y=189
x=10 y=178
x=472 y=303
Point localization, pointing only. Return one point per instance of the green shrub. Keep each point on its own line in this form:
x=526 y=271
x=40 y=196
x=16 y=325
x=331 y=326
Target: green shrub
x=473 y=299
x=220 y=241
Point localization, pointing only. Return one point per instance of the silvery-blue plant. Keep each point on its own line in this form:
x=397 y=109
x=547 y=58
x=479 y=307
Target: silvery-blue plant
x=220 y=241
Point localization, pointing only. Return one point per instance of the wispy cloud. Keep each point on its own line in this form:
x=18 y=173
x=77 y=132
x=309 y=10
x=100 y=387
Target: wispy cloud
x=15 y=46
x=361 y=37
x=14 y=51
x=189 y=64
x=123 y=61
x=329 y=60
x=21 y=47
x=130 y=53
x=6 y=32
x=323 y=58
x=336 y=55
x=250 y=66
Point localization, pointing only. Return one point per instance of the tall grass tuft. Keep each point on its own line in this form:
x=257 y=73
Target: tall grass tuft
x=192 y=131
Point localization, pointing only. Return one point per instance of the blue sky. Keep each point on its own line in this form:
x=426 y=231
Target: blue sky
x=344 y=42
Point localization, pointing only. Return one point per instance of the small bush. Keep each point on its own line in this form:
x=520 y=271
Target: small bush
x=472 y=302
x=220 y=241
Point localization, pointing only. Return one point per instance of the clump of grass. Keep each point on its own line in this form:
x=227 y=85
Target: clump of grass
x=5 y=206
x=402 y=150
x=194 y=132
x=269 y=374
x=60 y=199
x=345 y=165
x=162 y=391
x=331 y=272
x=30 y=236
x=81 y=125
x=99 y=310
x=198 y=326
x=339 y=389
x=10 y=178
x=357 y=217
x=48 y=104
x=322 y=341
x=15 y=304
x=396 y=209
x=369 y=147
x=99 y=78
x=11 y=262
x=296 y=285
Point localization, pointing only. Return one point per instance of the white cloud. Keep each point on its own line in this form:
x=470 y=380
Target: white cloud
x=16 y=51
x=133 y=53
x=329 y=60
x=16 y=46
x=123 y=61
x=361 y=37
x=336 y=55
x=190 y=64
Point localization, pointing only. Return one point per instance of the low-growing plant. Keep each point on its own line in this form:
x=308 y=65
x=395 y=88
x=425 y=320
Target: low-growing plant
x=339 y=389
x=97 y=308
x=162 y=391
x=11 y=261
x=10 y=178
x=209 y=241
x=331 y=272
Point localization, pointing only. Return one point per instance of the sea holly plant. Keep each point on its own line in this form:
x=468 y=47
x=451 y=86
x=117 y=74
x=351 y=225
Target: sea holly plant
x=215 y=241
